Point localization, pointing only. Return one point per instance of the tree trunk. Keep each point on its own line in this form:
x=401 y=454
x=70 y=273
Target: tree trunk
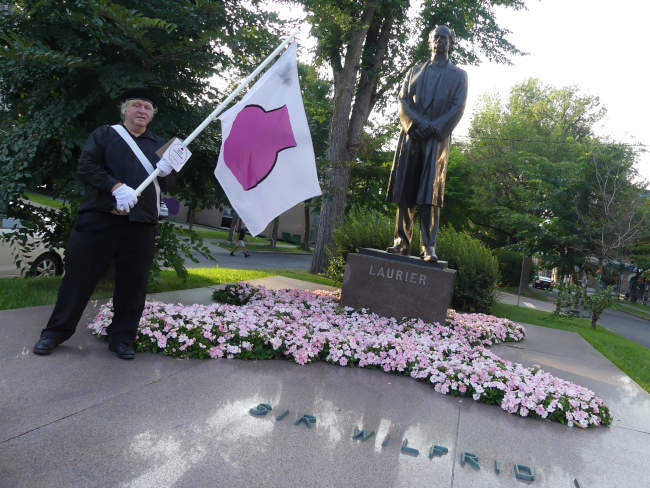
x=190 y=218
x=340 y=150
x=274 y=232
x=526 y=266
x=594 y=319
x=331 y=214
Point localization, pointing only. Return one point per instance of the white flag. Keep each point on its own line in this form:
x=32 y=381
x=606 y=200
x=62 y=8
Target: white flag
x=266 y=164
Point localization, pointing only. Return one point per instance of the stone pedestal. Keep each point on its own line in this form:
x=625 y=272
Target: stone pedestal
x=397 y=286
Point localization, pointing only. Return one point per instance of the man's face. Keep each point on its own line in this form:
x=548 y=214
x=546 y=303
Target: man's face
x=138 y=113
x=440 y=43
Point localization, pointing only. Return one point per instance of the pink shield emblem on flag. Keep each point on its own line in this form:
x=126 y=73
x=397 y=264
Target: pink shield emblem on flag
x=256 y=137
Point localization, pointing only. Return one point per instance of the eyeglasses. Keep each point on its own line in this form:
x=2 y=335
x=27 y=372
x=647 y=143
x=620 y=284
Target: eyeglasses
x=142 y=105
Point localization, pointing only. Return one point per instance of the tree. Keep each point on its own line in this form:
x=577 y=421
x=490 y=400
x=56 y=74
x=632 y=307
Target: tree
x=196 y=188
x=370 y=171
x=612 y=213
x=543 y=183
x=367 y=44
x=65 y=63
x=316 y=94
x=522 y=156
x=457 y=191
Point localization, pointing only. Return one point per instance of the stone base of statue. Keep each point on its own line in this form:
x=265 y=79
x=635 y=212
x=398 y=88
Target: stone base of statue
x=398 y=286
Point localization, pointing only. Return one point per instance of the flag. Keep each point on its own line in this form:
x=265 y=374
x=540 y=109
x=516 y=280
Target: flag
x=266 y=163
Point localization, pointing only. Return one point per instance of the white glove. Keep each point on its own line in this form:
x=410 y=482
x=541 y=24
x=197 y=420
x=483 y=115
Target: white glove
x=165 y=167
x=125 y=198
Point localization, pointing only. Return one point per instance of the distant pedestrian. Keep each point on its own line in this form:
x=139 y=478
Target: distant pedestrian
x=241 y=237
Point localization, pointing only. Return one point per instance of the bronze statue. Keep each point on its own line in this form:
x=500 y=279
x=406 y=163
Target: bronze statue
x=431 y=103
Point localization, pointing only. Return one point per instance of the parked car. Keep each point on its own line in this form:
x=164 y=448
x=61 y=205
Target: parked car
x=41 y=261
x=543 y=283
x=226 y=218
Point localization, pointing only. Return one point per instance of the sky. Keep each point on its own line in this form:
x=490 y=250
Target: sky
x=599 y=46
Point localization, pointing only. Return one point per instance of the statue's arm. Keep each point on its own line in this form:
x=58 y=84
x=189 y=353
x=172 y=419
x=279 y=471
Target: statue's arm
x=411 y=121
x=443 y=125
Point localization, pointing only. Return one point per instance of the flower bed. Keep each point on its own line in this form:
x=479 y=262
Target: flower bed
x=255 y=323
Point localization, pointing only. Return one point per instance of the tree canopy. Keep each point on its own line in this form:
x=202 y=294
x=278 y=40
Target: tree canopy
x=65 y=63
x=63 y=66
x=542 y=182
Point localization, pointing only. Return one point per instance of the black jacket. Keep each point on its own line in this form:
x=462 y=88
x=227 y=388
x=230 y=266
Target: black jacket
x=432 y=95
x=106 y=159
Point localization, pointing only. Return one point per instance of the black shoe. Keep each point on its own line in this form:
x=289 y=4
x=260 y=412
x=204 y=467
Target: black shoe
x=397 y=249
x=246 y=255
x=44 y=346
x=122 y=350
x=232 y=253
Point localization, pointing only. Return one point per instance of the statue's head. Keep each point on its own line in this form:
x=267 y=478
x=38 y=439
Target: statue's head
x=441 y=41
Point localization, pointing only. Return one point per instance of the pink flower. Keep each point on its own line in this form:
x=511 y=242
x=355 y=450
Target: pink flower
x=451 y=356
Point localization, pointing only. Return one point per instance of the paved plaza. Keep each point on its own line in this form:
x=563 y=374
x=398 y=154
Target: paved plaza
x=82 y=417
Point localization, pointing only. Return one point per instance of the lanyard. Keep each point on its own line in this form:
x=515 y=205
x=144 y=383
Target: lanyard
x=124 y=134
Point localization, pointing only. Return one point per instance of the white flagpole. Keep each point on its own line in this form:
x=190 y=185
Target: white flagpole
x=221 y=106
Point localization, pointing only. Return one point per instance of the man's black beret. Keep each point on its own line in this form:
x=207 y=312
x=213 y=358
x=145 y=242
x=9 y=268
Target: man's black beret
x=140 y=94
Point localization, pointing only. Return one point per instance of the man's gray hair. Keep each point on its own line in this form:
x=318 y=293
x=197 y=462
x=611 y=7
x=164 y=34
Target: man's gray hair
x=452 y=36
x=125 y=104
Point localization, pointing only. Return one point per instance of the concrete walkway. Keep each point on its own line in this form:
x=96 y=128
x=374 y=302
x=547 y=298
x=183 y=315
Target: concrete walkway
x=83 y=418
x=510 y=299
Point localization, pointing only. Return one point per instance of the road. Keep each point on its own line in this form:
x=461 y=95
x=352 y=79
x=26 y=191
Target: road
x=627 y=325
x=256 y=260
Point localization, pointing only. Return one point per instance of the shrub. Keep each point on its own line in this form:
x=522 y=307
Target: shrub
x=368 y=228
x=363 y=228
x=477 y=269
x=598 y=302
x=335 y=267
x=235 y=294
x=572 y=297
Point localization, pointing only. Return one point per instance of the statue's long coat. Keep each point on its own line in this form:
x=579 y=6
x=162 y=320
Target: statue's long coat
x=435 y=96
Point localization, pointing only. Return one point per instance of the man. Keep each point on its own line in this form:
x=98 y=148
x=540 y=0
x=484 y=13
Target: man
x=431 y=103
x=113 y=223
x=241 y=237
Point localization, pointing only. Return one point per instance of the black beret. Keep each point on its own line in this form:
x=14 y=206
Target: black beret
x=140 y=94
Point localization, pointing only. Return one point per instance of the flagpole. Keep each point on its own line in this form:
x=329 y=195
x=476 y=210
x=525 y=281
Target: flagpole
x=221 y=107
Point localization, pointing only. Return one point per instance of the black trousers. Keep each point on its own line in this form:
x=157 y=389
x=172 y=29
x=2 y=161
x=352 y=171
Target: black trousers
x=429 y=222
x=96 y=239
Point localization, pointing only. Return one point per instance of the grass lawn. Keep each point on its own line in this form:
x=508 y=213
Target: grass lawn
x=266 y=247
x=31 y=292
x=636 y=309
x=632 y=358
x=220 y=237
x=43 y=200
